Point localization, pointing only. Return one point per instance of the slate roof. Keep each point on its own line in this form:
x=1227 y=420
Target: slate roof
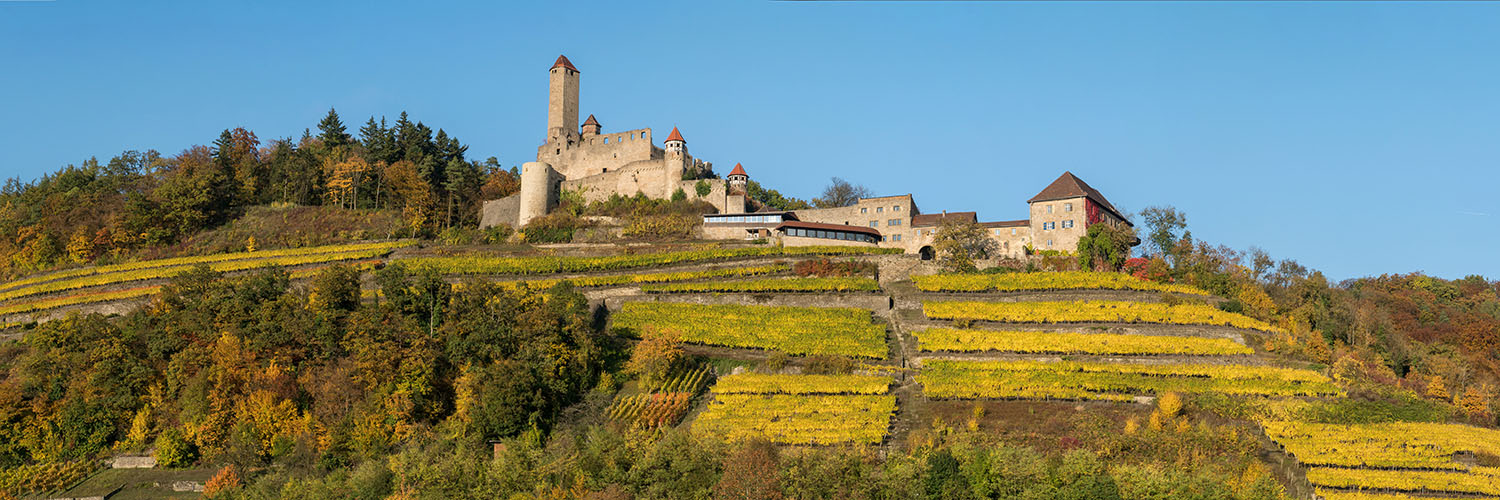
x=1070 y=186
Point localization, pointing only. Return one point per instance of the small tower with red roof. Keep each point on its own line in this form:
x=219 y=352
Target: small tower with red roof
x=737 y=180
x=676 y=159
x=591 y=126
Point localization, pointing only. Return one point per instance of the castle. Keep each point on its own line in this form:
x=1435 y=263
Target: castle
x=584 y=159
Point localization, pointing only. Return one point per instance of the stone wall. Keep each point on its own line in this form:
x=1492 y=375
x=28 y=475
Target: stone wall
x=502 y=211
x=602 y=153
x=646 y=176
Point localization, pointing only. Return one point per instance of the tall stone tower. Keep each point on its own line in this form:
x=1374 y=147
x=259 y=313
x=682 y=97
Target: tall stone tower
x=676 y=156
x=562 y=102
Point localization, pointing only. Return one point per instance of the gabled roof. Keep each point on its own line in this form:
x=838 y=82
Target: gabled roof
x=591 y=121
x=925 y=220
x=829 y=227
x=738 y=170
x=564 y=62
x=1070 y=186
x=1006 y=223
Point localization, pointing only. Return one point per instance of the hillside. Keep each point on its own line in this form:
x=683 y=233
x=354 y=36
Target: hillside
x=676 y=370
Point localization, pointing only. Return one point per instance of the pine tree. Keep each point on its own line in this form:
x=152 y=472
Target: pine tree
x=333 y=132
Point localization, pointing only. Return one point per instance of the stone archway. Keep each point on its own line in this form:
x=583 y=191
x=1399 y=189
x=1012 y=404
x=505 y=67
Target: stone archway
x=926 y=253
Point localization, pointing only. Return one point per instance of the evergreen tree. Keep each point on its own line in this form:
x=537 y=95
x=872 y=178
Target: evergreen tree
x=332 y=130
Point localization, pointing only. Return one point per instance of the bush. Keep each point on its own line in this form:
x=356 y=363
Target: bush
x=174 y=450
x=662 y=226
x=557 y=227
x=827 y=364
x=702 y=188
x=834 y=268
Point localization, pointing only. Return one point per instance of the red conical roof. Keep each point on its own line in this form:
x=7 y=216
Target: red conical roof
x=675 y=135
x=564 y=62
x=591 y=121
x=738 y=170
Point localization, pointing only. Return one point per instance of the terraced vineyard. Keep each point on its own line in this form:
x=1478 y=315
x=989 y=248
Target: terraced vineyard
x=771 y=285
x=960 y=379
x=634 y=279
x=552 y=265
x=1477 y=480
x=1385 y=445
x=1092 y=311
x=784 y=409
x=81 y=286
x=957 y=340
x=793 y=330
x=1053 y=280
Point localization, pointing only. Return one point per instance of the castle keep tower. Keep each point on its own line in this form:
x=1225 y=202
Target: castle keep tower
x=562 y=102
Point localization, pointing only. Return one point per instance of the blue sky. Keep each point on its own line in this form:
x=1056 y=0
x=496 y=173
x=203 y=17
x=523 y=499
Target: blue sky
x=1356 y=138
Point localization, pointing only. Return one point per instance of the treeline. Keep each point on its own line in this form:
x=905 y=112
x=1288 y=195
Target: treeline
x=136 y=200
x=1391 y=337
x=251 y=370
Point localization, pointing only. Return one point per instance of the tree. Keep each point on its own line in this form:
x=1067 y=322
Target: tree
x=1166 y=227
x=1105 y=247
x=840 y=193
x=656 y=356
x=332 y=132
x=752 y=472
x=959 y=242
x=773 y=198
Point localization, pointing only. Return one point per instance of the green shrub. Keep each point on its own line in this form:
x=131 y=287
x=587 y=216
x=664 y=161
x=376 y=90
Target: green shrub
x=174 y=450
x=702 y=188
x=557 y=227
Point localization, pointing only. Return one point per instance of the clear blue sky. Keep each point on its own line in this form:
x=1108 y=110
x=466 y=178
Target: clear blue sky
x=1356 y=138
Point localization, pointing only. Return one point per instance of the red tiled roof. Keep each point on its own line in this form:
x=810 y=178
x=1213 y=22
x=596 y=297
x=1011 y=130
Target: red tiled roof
x=738 y=170
x=564 y=62
x=1070 y=186
x=1006 y=223
x=925 y=220
x=829 y=227
x=591 y=121
x=675 y=135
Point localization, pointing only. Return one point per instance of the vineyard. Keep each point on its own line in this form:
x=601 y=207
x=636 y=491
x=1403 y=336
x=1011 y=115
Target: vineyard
x=784 y=409
x=1092 y=311
x=1329 y=494
x=149 y=270
x=1478 y=480
x=633 y=279
x=1084 y=380
x=757 y=383
x=771 y=285
x=956 y=340
x=1385 y=445
x=1058 y=280
x=21 y=480
x=129 y=293
x=651 y=410
x=793 y=330
x=552 y=265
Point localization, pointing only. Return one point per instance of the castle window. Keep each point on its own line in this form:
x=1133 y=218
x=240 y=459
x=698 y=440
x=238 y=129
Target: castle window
x=1067 y=207
x=897 y=237
x=863 y=209
x=606 y=140
x=1012 y=231
x=997 y=232
x=874 y=223
x=896 y=208
x=1049 y=209
x=1067 y=223
x=893 y=222
x=879 y=209
x=643 y=135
